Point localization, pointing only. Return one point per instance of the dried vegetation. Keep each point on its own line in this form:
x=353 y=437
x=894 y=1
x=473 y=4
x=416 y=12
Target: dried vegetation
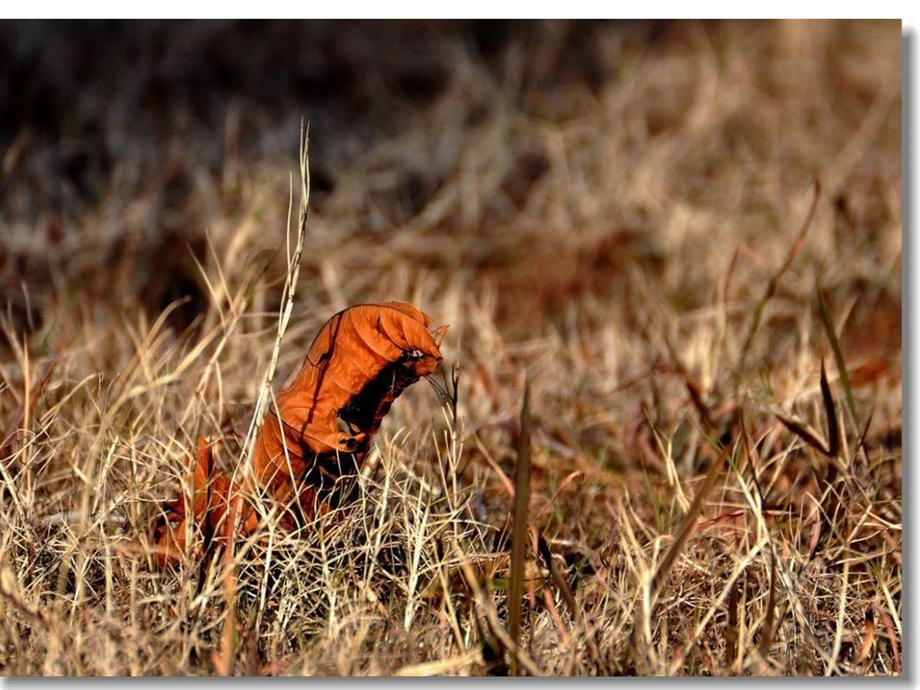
x=686 y=238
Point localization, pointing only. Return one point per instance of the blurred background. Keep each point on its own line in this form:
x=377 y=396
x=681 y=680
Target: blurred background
x=492 y=149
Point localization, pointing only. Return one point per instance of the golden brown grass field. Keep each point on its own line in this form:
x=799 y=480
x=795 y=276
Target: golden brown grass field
x=665 y=228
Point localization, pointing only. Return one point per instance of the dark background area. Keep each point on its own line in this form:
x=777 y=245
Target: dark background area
x=95 y=114
x=88 y=94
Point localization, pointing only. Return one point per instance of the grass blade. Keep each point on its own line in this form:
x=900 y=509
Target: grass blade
x=689 y=523
x=830 y=409
x=774 y=282
x=838 y=359
x=766 y=638
x=520 y=527
x=804 y=432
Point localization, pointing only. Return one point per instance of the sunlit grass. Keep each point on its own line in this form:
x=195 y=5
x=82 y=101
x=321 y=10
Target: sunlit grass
x=641 y=248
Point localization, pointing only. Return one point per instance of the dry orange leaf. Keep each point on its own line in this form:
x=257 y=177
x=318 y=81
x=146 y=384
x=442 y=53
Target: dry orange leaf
x=361 y=360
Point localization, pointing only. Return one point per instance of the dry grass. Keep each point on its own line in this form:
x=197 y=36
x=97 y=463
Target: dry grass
x=617 y=212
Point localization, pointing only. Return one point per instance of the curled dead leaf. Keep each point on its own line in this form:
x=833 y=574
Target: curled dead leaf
x=320 y=430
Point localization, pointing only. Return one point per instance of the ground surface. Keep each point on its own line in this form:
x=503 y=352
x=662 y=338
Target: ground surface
x=619 y=212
